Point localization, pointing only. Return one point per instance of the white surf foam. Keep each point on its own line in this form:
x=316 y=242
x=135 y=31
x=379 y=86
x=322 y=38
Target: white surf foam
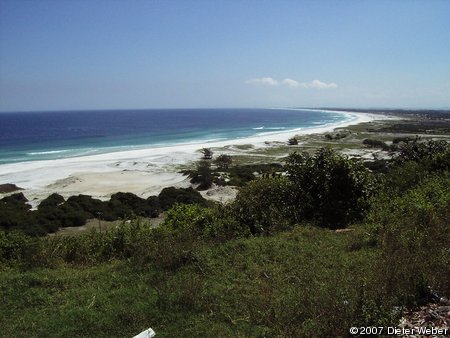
x=37 y=175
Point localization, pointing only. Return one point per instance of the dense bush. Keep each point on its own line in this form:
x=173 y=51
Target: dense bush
x=17 y=200
x=171 y=196
x=328 y=188
x=72 y=216
x=264 y=204
x=52 y=201
x=13 y=210
x=54 y=213
x=15 y=214
x=415 y=161
x=210 y=223
x=431 y=151
x=400 y=178
x=131 y=204
x=16 y=246
x=154 y=205
x=184 y=217
x=85 y=203
x=240 y=175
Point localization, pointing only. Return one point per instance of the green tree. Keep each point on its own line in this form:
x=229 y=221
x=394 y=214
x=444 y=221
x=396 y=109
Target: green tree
x=328 y=188
x=423 y=151
x=202 y=175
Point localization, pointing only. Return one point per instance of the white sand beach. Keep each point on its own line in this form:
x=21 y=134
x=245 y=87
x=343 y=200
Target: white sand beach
x=143 y=172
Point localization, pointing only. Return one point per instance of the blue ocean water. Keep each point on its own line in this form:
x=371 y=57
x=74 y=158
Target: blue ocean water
x=51 y=135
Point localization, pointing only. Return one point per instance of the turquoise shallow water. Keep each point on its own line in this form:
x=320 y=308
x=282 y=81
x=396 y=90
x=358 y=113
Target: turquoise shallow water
x=51 y=135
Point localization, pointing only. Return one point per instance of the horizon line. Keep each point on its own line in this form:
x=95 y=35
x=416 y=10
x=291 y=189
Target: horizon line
x=186 y=108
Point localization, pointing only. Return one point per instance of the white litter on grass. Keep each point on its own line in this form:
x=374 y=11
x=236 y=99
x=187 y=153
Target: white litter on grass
x=149 y=333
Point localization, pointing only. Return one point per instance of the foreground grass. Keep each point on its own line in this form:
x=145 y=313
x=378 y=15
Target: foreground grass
x=108 y=300
x=305 y=282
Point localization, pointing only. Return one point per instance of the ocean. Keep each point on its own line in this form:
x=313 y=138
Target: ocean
x=33 y=136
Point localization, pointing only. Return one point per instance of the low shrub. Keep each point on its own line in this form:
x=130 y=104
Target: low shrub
x=223 y=161
x=171 y=196
x=52 y=201
x=130 y=204
x=240 y=175
x=371 y=143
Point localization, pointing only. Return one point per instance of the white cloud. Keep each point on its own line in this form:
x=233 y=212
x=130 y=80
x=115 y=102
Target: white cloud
x=263 y=81
x=319 y=85
x=290 y=83
x=268 y=81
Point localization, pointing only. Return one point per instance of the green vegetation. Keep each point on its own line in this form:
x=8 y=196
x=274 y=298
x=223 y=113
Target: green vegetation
x=425 y=127
x=223 y=161
x=371 y=143
x=265 y=265
x=240 y=175
x=54 y=212
x=403 y=139
x=328 y=188
x=171 y=196
x=202 y=176
x=225 y=174
x=293 y=141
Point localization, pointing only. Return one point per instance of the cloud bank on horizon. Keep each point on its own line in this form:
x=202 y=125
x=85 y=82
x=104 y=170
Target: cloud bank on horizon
x=269 y=81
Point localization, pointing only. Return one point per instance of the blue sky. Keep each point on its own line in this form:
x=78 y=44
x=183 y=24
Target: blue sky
x=80 y=54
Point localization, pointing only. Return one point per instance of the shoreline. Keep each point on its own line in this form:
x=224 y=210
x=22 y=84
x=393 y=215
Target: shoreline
x=144 y=172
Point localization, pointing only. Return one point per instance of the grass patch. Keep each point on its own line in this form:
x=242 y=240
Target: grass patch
x=108 y=300
x=296 y=283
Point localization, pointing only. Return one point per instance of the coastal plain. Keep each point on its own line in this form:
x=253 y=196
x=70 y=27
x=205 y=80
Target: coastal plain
x=146 y=172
